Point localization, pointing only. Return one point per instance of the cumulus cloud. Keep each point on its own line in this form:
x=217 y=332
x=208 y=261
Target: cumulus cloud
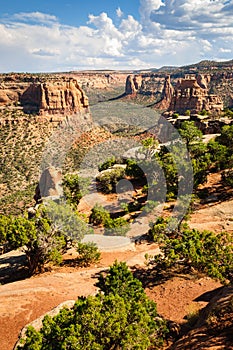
x=192 y=14
x=169 y=32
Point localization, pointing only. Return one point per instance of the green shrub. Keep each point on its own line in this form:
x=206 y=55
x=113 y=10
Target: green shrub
x=116 y=227
x=205 y=251
x=75 y=188
x=106 y=165
x=133 y=169
x=88 y=253
x=46 y=236
x=107 y=181
x=120 y=316
x=203 y=112
x=227 y=177
x=99 y=215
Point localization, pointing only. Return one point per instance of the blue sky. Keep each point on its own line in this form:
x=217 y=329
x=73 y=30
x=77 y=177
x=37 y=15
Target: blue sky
x=50 y=35
x=72 y=12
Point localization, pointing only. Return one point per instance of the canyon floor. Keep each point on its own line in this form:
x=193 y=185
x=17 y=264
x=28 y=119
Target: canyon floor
x=25 y=300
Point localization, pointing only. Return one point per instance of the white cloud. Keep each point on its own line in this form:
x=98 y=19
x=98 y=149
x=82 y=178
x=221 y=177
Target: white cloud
x=146 y=7
x=192 y=14
x=119 y=13
x=34 y=17
x=174 y=32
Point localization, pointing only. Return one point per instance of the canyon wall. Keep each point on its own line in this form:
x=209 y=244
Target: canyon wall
x=51 y=95
x=193 y=92
x=61 y=96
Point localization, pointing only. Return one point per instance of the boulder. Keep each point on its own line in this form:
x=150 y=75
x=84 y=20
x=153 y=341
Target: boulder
x=37 y=324
x=50 y=184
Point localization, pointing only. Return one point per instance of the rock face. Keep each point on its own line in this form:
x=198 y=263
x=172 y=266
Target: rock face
x=50 y=184
x=190 y=93
x=55 y=97
x=133 y=84
x=100 y=80
x=167 y=95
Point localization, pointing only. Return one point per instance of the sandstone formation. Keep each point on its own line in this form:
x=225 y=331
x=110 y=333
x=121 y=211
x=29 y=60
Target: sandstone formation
x=55 y=97
x=167 y=95
x=149 y=86
x=133 y=84
x=206 y=125
x=99 y=80
x=50 y=184
x=43 y=95
x=190 y=93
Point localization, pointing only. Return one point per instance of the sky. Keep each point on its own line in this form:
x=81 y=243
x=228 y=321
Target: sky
x=55 y=36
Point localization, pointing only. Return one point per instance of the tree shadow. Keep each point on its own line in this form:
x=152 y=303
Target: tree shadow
x=207 y=296
x=13 y=268
x=154 y=276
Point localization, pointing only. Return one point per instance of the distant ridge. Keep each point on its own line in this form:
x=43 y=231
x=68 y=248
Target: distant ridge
x=202 y=65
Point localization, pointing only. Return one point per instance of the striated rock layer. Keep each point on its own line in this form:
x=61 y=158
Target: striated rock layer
x=167 y=95
x=190 y=93
x=43 y=95
x=61 y=96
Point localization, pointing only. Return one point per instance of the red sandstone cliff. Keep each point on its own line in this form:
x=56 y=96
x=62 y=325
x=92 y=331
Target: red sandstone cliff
x=59 y=96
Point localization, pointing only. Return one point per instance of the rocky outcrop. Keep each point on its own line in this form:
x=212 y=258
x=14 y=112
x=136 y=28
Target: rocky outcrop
x=50 y=185
x=190 y=93
x=203 y=80
x=61 y=96
x=43 y=95
x=133 y=84
x=167 y=95
x=38 y=323
x=100 y=80
x=205 y=124
x=214 y=328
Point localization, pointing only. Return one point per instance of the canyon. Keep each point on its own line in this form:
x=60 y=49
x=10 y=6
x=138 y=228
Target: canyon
x=32 y=109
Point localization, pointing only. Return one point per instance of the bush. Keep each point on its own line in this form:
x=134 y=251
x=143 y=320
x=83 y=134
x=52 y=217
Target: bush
x=108 y=180
x=99 y=215
x=120 y=316
x=116 y=227
x=88 y=254
x=75 y=187
x=227 y=177
x=46 y=236
x=106 y=165
x=40 y=242
x=204 y=251
x=203 y=112
x=133 y=170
